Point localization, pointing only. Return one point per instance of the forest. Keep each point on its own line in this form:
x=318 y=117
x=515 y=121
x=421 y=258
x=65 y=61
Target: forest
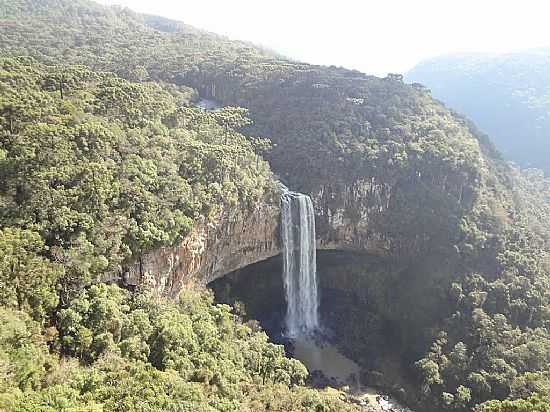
x=96 y=170
x=103 y=157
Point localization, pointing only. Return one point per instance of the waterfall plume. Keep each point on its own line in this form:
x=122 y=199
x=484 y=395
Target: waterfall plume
x=299 y=263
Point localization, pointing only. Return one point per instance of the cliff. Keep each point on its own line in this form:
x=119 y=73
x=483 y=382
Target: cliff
x=237 y=237
x=230 y=240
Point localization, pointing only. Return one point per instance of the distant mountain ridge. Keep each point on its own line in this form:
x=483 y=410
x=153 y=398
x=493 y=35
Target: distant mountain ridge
x=507 y=95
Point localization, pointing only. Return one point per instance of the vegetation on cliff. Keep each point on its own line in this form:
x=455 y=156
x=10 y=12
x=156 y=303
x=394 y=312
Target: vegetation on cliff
x=102 y=158
x=103 y=169
x=95 y=171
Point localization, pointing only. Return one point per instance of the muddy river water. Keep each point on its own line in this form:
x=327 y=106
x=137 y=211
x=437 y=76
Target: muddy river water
x=325 y=357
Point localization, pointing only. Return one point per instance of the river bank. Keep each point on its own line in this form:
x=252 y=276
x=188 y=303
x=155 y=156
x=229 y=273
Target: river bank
x=329 y=368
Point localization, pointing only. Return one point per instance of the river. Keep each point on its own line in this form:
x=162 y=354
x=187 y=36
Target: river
x=340 y=371
x=208 y=105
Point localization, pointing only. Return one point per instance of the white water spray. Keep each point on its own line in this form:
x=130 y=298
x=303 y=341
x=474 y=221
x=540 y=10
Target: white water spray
x=299 y=263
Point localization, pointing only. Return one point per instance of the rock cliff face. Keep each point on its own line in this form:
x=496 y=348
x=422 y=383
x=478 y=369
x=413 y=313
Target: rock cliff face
x=229 y=241
x=348 y=218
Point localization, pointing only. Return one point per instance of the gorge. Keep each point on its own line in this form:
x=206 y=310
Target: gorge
x=151 y=261
x=332 y=355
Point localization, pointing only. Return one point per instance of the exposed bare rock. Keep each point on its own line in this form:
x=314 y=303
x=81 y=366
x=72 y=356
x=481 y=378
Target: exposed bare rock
x=347 y=218
x=226 y=242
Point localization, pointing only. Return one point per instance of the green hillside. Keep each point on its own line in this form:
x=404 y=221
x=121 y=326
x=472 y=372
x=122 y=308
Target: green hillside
x=103 y=158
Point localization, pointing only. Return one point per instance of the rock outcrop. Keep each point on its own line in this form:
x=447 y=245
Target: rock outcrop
x=348 y=218
x=230 y=240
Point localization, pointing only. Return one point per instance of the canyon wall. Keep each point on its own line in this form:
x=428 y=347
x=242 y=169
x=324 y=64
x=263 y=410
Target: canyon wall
x=226 y=242
x=235 y=238
x=347 y=217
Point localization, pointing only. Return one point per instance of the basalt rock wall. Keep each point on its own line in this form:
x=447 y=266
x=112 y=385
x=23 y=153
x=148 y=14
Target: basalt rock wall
x=235 y=238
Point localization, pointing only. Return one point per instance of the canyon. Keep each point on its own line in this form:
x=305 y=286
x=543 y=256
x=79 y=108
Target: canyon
x=233 y=238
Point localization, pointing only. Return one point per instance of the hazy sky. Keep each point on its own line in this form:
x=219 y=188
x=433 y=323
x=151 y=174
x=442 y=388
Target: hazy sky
x=374 y=36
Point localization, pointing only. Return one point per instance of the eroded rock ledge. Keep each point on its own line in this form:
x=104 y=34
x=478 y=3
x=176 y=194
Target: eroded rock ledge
x=347 y=218
x=230 y=240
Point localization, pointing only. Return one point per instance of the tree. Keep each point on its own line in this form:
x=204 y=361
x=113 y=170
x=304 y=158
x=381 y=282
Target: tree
x=28 y=281
x=532 y=404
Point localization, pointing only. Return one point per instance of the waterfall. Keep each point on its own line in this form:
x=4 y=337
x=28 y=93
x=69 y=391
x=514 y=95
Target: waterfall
x=299 y=265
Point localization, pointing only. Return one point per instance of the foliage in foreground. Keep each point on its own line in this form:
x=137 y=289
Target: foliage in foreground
x=103 y=169
x=136 y=353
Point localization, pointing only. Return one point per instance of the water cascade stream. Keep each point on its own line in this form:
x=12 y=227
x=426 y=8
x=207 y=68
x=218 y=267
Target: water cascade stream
x=299 y=264
x=300 y=328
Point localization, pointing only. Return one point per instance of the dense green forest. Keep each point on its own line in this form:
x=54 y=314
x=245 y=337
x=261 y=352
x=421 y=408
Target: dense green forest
x=134 y=353
x=96 y=170
x=103 y=157
x=506 y=95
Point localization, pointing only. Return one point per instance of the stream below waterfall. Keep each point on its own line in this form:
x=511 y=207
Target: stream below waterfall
x=325 y=357
x=329 y=367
